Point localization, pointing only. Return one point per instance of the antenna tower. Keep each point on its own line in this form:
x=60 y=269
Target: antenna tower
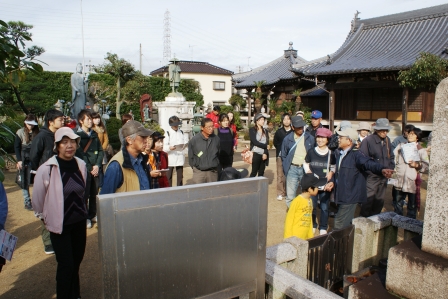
x=167 y=37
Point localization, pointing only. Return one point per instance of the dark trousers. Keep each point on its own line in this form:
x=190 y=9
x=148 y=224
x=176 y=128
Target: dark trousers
x=324 y=199
x=398 y=198
x=344 y=216
x=376 y=191
x=90 y=195
x=258 y=165
x=179 y=173
x=69 y=248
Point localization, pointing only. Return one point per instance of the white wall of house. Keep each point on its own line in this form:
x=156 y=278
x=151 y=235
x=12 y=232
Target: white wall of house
x=212 y=95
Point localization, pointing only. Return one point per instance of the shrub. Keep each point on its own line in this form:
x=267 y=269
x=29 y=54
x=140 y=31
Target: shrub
x=113 y=125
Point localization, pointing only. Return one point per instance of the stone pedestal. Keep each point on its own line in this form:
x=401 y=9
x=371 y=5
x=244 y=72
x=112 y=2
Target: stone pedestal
x=175 y=105
x=416 y=271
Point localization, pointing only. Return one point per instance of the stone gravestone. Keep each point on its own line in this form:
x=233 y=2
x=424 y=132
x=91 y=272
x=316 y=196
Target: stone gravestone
x=418 y=268
x=435 y=229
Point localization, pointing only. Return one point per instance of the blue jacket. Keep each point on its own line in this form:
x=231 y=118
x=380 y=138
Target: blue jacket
x=287 y=154
x=3 y=206
x=351 y=176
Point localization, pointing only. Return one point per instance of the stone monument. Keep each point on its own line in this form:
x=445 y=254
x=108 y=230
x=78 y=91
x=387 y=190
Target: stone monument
x=175 y=103
x=418 y=268
x=79 y=91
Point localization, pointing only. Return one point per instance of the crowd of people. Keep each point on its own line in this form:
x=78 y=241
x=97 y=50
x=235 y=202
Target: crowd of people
x=70 y=166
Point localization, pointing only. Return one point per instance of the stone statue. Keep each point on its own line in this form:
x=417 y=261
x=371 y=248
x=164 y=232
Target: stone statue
x=174 y=74
x=79 y=88
x=145 y=103
x=146 y=113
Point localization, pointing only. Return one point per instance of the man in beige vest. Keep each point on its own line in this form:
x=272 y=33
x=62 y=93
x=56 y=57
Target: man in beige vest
x=128 y=169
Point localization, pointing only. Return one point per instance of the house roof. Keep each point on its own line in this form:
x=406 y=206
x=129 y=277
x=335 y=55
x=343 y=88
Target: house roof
x=195 y=67
x=272 y=72
x=386 y=43
x=316 y=91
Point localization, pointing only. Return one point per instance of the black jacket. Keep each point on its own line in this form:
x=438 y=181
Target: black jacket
x=382 y=153
x=278 y=139
x=203 y=153
x=255 y=142
x=41 y=148
x=94 y=154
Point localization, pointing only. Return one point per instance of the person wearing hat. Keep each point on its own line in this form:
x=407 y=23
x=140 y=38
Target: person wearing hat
x=91 y=151
x=259 y=145
x=363 y=131
x=293 y=152
x=176 y=158
x=22 y=147
x=299 y=222
x=203 y=154
x=316 y=119
x=214 y=116
x=58 y=198
x=350 y=173
x=378 y=147
x=157 y=160
x=320 y=162
x=41 y=151
x=128 y=170
x=279 y=136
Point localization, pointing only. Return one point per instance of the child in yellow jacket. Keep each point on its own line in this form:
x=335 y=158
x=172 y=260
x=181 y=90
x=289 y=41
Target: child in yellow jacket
x=299 y=221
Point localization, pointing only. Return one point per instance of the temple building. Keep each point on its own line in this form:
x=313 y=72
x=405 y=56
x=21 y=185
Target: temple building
x=361 y=76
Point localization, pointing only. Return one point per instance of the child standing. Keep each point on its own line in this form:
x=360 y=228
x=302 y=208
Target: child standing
x=299 y=220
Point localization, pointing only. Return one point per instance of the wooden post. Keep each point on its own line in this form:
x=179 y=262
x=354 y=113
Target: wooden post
x=331 y=99
x=404 y=109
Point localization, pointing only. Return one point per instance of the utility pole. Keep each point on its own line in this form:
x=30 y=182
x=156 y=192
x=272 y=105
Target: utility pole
x=140 y=58
x=248 y=68
x=191 y=47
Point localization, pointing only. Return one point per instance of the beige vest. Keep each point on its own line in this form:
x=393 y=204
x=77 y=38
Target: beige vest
x=130 y=178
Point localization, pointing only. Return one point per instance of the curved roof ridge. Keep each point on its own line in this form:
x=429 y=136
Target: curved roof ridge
x=438 y=10
x=258 y=69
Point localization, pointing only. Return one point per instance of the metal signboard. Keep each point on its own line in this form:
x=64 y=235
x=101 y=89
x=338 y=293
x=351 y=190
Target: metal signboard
x=196 y=241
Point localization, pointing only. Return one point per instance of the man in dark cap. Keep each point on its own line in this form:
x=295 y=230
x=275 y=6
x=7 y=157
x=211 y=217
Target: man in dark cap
x=128 y=169
x=214 y=116
x=293 y=152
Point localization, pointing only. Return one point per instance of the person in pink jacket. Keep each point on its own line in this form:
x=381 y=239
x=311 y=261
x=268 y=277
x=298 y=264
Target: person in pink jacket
x=58 y=199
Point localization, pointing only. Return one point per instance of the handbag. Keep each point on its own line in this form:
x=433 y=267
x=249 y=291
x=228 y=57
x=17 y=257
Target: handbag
x=247 y=155
x=20 y=179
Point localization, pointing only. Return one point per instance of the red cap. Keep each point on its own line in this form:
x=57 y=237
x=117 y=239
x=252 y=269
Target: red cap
x=323 y=132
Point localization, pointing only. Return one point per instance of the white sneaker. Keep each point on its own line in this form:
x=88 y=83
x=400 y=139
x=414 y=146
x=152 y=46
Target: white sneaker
x=94 y=219
x=279 y=197
x=322 y=232
x=314 y=230
x=89 y=223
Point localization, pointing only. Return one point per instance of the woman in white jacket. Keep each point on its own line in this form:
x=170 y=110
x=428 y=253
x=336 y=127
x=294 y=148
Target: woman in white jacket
x=176 y=159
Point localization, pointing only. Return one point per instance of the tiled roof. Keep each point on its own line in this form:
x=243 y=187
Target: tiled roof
x=314 y=92
x=386 y=43
x=271 y=73
x=195 y=67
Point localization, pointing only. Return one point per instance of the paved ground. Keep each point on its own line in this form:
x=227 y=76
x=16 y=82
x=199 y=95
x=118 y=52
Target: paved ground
x=31 y=274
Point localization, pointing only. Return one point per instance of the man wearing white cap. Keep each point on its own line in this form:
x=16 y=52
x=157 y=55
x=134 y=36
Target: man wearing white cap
x=378 y=147
x=351 y=166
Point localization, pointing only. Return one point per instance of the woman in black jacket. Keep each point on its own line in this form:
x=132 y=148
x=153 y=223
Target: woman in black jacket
x=259 y=143
x=281 y=133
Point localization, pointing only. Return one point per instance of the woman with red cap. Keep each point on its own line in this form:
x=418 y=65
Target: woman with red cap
x=321 y=162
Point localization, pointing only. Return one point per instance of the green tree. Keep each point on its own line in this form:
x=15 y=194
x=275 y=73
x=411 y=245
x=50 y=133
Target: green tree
x=122 y=70
x=16 y=57
x=426 y=72
x=237 y=100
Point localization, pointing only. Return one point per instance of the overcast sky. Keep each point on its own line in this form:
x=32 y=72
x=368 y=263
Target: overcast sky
x=223 y=33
